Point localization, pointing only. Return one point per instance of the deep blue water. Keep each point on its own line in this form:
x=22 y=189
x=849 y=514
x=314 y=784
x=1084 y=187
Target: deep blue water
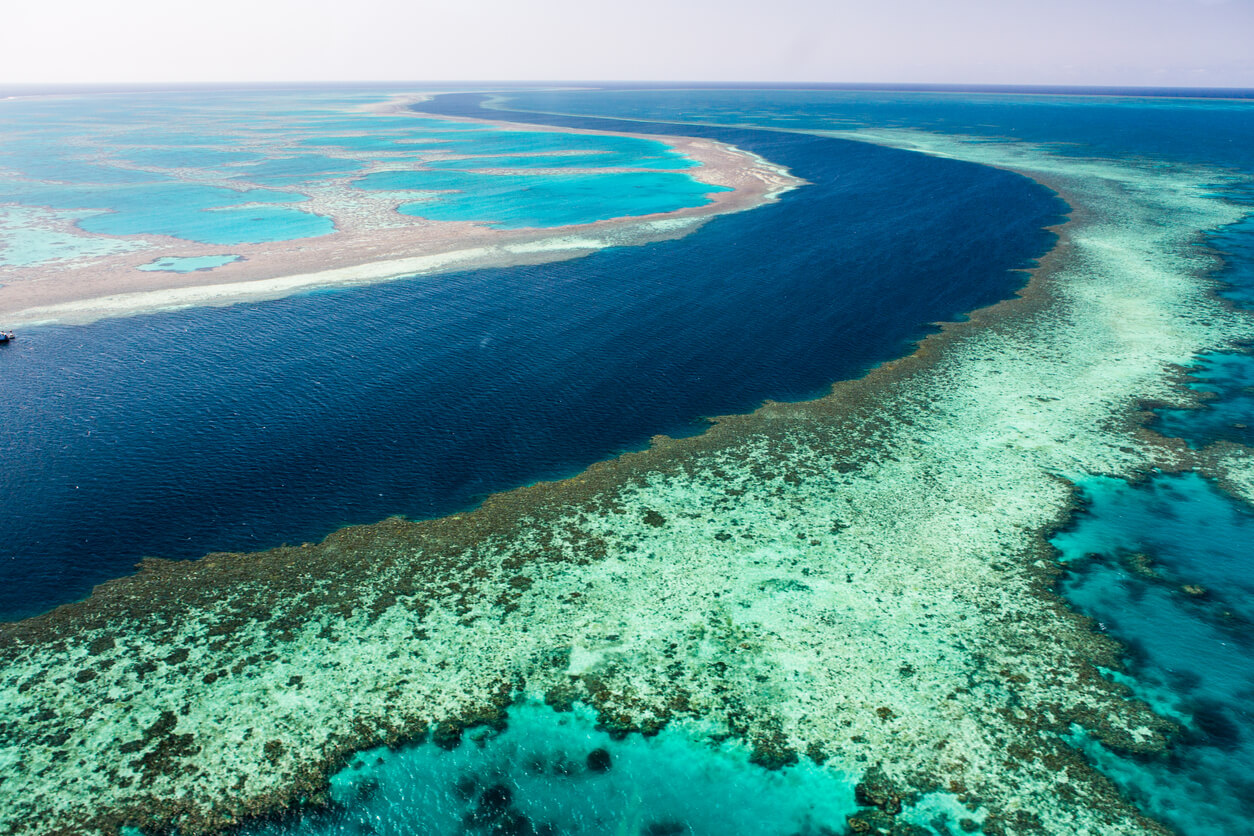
x=245 y=427
x=1212 y=131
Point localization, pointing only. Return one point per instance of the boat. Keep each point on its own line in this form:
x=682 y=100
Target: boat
x=7 y=336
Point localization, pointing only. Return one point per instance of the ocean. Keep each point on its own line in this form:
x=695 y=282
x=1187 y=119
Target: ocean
x=246 y=427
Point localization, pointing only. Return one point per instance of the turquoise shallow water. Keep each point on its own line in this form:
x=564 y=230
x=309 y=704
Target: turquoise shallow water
x=206 y=214
x=201 y=158
x=566 y=161
x=39 y=166
x=550 y=773
x=519 y=201
x=615 y=150
x=547 y=773
x=282 y=171
x=169 y=137
x=1228 y=412
x=224 y=225
x=516 y=149
x=1167 y=567
x=78 y=154
x=378 y=141
x=28 y=240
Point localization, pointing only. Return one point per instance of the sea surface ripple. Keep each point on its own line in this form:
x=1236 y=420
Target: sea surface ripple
x=174 y=435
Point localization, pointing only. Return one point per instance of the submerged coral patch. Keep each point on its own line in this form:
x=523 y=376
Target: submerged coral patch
x=1166 y=567
x=541 y=771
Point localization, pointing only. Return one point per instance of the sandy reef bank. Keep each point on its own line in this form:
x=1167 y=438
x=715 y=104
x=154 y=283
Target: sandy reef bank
x=372 y=242
x=862 y=580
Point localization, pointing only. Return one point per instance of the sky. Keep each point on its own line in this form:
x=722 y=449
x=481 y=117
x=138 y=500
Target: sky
x=1192 y=43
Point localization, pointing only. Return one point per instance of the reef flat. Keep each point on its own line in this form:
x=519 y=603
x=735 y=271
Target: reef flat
x=282 y=220
x=863 y=580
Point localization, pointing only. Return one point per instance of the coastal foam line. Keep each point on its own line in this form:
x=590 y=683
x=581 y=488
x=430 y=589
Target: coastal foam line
x=105 y=284
x=862 y=580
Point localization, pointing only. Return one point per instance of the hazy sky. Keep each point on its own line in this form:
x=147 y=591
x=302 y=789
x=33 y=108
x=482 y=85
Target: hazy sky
x=1121 y=42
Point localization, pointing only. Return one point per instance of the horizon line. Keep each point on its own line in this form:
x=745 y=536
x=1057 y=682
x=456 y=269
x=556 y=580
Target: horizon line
x=1085 y=89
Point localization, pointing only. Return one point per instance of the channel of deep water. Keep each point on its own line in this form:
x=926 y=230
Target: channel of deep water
x=241 y=428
